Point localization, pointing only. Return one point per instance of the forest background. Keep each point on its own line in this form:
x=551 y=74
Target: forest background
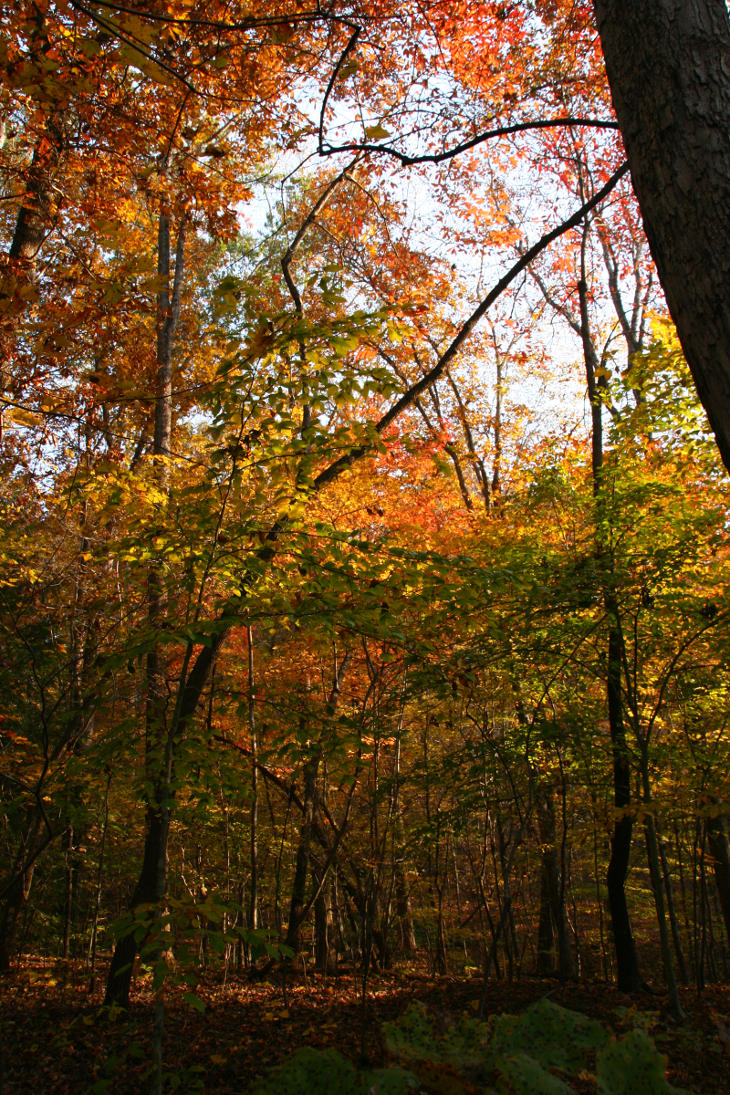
x=363 y=555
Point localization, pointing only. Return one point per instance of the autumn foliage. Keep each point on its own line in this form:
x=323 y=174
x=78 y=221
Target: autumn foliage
x=363 y=548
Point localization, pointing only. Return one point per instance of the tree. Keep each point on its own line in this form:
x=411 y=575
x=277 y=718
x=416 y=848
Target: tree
x=310 y=453
x=668 y=64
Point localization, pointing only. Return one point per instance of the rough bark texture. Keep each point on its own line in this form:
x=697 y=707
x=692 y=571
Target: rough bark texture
x=37 y=208
x=668 y=64
x=36 y=213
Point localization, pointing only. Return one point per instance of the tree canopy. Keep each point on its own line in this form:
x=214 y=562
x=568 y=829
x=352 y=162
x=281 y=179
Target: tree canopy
x=363 y=550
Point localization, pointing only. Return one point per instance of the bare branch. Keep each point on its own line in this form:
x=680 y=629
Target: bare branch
x=465 y=146
x=303 y=228
x=408 y=397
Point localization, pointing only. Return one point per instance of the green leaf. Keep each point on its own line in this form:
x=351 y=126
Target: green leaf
x=376 y=132
x=553 y=1036
x=527 y=1077
x=194 y=1001
x=631 y=1066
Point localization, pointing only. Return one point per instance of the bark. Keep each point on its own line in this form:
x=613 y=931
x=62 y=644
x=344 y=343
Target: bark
x=253 y=918
x=657 y=880
x=553 y=927
x=69 y=848
x=147 y=892
x=668 y=64
x=545 y=940
x=299 y=906
x=15 y=902
x=657 y=885
x=16 y=889
x=36 y=214
x=476 y=461
x=161 y=731
x=629 y=979
x=298 y=897
x=497 y=460
x=404 y=912
x=672 y=912
x=322 y=927
x=403 y=909
x=99 y=886
x=717 y=841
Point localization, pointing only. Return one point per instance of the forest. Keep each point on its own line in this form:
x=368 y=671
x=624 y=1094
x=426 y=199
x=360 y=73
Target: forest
x=364 y=559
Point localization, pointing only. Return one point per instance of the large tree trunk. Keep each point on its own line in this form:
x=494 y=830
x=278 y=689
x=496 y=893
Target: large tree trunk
x=37 y=211
x=668 y=64
x=627 y=964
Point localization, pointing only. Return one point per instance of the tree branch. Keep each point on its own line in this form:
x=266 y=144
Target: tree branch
x=465 y=146
x=408 y=397
x=192 y=686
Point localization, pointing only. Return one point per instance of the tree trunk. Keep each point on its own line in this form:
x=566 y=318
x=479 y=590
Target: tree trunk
x=147 y=892
x=36 y=214
x=16 y=888
x=627 y=963
x=553 y=926
x=99 y=886
x=35 y=217
x=545 y=939
x=657 y=885
x=301 y=869
x=161 y=730
x=668 y=64
x=672 y=912
x=629 y=979
x=404 y=912
x=299 y=907
x=717 y=841
x=253 y=917
x=15 y=902
x=323 y=926
x=69 y=849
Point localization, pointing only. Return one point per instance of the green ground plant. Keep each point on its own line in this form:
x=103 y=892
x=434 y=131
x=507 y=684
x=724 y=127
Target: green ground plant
x=543 y=1051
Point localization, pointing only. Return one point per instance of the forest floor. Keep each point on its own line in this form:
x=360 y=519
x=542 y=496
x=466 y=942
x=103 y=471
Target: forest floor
x=55 y=1040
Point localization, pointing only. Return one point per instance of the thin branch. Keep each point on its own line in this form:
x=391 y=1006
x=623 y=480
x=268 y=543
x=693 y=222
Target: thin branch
x=192 y=684
x=251 y=23
x=468 y=326
x=135 y=43
x=305 y=226
x=449 y=153
x=352 y=42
